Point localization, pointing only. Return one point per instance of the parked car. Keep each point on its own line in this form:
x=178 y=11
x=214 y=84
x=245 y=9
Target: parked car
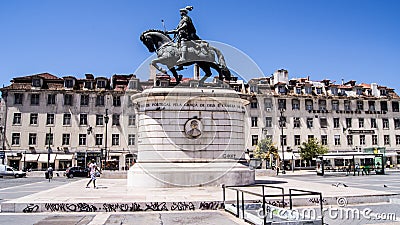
x=77 y=171
x=9 y=171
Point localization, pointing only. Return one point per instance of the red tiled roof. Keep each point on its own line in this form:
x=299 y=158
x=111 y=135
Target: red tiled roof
x=281 y=83
x=364 y=85
x=345 y=87
x=122 y=77
x=46 y=76
x=183 y=79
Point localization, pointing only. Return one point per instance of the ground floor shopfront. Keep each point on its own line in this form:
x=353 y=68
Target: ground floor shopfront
x=293 y=161
x=111 y=161
x=61 y=161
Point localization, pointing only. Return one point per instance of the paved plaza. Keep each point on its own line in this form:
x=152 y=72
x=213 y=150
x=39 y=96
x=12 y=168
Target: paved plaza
x=115 y=203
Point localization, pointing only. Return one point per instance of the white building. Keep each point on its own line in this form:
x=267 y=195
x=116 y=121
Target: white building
x=346 y=117
x=69 y=115
x=64 y=120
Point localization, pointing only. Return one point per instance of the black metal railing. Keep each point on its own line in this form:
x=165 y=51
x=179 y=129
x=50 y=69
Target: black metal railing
x=240 y=192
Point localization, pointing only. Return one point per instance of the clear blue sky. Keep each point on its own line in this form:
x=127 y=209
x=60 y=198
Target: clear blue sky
x=335 y=39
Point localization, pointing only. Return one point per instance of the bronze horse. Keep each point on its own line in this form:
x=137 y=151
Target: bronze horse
x=199 y=52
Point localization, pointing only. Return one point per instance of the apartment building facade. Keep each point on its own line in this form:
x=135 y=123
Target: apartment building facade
x=346 y=117
x=68 y=121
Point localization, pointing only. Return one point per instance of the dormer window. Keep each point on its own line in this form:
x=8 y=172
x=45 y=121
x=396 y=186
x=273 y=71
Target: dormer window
x=282 y=89
x=69 y=83
x=298 y=90
x=132 y=84
x=308 y=90
x=334 y=91
x=101 y=84
x=383 y=91
x=359 y=91
x=319 y=90
x=88 y=84
x=36 y=82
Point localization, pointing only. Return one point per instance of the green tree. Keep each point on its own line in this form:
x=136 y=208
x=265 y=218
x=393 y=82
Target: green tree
x=264 y=149
x=312 y=148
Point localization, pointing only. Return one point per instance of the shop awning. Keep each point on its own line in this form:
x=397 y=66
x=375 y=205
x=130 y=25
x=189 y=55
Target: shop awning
x=289 y=155
x=30 y=157
x=43 y=158
x=64 y=156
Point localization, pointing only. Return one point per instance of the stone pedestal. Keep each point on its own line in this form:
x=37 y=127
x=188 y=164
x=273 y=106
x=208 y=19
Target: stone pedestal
x=189 y=137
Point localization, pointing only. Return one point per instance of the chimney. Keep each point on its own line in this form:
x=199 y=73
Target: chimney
x=374 y=90
x=196 y=72
x=153 y=72
x=281 y=76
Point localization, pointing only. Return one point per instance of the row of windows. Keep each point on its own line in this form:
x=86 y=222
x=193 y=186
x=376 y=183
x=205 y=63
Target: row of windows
x=336 y=139
x=69 y=83
x=68 y=99
x=348 y=122
x=66 y=139
x=284 y=89
x=322 y=105
x=83 y=119
x=331 y=90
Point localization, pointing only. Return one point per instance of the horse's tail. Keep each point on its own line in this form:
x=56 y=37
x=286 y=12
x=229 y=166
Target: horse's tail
x=221 y=59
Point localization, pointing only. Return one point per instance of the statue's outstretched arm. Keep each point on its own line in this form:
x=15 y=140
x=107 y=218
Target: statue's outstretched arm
x=172 y=32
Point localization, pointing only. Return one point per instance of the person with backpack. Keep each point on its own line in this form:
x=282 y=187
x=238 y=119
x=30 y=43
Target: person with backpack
x=93 y=172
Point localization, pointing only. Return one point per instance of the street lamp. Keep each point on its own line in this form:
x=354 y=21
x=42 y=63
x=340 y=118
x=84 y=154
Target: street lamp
x=25 y=160
x=282 y=124
x=106 y=118
x=4 y=95
x=89 y=131
x=48 y=150
x=2 y=136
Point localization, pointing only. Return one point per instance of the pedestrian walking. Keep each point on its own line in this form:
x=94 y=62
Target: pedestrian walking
x=50 y=172
x=357 y=169
x=93 y=172
x=348 y=168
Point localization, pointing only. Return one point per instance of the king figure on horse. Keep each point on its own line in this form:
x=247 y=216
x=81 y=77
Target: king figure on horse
x=187 y=50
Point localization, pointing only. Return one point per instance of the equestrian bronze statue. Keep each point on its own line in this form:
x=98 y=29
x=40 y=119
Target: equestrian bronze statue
x=185 y=49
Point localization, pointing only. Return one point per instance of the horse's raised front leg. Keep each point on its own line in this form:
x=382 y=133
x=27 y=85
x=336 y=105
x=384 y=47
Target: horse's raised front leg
x=155 y=62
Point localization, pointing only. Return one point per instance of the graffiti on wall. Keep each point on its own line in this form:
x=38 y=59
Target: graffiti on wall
x=124 y=207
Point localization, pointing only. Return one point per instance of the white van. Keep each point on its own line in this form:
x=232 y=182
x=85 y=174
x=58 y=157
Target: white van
x=9 y=171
